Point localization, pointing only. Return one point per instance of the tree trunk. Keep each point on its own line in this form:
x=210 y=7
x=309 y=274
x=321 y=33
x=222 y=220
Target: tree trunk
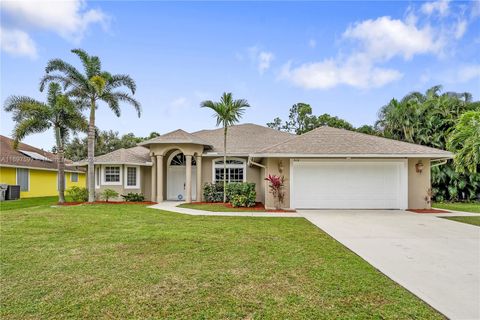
x=60 y=166
x=225 y=164
x=91 y=153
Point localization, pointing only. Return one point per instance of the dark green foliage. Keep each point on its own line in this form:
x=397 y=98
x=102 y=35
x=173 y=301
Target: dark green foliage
x=108 y=194
x=133 y=197
x=78 y=194
x=213 y=192
x=241 y=194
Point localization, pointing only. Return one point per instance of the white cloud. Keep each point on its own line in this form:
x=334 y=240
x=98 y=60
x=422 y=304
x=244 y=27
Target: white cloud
x=441 y=7
x=385 y=38
x=356 y=72
x=70 y=19
x=460 y=29
x=312 y=43
x=262 y=59
x=180 y=102
x=17 y=43
x=467 y=73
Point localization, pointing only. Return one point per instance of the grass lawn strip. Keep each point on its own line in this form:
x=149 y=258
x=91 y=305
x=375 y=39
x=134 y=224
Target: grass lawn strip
x=127 y=261
x=459 y=206
x=470 y=220
x=216 y=207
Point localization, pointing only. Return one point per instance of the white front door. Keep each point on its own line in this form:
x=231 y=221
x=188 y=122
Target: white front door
x=349 y=184
x=177 y=181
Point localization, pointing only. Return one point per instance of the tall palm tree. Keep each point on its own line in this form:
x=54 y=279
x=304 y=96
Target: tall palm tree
x=227 y=112
x=59 y=112
x=465 y=142
x=91 y=87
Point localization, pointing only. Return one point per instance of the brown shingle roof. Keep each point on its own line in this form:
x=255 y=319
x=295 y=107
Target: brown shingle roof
x=332 y=141
x=137 y=155
x=177 y=136
x=11 y=157
x=243 y=138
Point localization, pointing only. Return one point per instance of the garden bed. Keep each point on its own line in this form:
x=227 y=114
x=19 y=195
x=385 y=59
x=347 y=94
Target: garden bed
x=428 y=211
x=105 y=202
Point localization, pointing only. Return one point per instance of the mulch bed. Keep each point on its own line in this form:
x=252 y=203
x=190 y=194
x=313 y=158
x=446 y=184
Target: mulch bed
x=428 y=211
x=105 y=202
x=258 y=207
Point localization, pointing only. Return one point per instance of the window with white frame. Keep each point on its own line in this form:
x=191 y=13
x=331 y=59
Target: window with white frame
x=23 y=179
x=112 y=174
x=74 y=177
x=132 y=178
x=235 y=170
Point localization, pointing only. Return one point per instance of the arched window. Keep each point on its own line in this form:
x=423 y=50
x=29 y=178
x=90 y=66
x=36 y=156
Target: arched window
x=179 y=159
x=236 y=170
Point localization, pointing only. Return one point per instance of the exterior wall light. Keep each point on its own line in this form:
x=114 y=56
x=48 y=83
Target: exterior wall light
x=419 y=167
x=280 y=166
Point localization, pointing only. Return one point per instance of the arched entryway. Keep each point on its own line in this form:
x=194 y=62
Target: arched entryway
x=176 y=176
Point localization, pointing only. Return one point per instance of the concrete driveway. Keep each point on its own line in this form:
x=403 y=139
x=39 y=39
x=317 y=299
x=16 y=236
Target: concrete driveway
x=436 y=259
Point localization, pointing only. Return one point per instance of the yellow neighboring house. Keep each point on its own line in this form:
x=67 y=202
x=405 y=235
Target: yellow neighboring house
x=35 y=170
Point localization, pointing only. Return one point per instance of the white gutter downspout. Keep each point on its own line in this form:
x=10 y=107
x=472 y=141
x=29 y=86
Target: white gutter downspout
x=251 y=162
x=442 y=162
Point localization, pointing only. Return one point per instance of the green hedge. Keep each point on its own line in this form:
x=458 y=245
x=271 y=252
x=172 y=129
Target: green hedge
x=239 y=194
x=213 y=192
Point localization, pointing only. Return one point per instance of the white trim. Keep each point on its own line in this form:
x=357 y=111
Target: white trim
x=291 y=189
x=16 y=179
x=243 y=166
x=146 y=164
x=112 y=183
x=98 y=181
x=340 y=155
x=35 y=168
x=137 y=173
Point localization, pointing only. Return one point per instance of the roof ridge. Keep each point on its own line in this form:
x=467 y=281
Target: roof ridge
x=282 y=142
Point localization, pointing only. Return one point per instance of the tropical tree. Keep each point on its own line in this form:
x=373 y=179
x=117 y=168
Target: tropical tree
x=59 y=112
x=465 y=142
x=227 y=112
x=91 y=87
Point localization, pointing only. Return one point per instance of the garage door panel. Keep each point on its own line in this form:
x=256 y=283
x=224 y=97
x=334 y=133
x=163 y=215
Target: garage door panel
x=357 y=185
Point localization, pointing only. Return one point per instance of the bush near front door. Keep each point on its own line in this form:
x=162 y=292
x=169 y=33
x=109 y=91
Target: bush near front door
x=238 y=194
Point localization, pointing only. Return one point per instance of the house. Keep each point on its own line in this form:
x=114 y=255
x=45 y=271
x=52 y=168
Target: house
x=35 y=170
x=325 y=168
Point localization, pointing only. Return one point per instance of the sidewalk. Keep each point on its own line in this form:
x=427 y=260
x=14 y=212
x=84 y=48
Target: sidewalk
x=172 y=206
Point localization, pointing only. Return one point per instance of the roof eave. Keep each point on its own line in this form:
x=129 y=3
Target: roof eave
x=353 y=155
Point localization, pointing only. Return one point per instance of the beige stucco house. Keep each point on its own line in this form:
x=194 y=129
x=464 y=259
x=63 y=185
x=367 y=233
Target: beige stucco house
x=325 y=168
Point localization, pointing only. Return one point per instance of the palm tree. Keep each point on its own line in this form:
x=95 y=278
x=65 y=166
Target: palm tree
x=465 y=142
x=227 y=112
x=92 y=86
x=59 y=112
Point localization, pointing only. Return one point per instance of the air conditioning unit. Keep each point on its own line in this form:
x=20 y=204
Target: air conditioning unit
x=13 y=192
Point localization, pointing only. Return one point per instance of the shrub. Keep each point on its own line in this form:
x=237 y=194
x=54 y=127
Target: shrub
x=277 y=184
x=242 y=193
x=78 y=194
x=213 y=192
x=133 y=197
x=108 y=194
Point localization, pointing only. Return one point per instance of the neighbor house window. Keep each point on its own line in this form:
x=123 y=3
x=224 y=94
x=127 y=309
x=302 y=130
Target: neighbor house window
x=235 y=170
x=112 y=174
x=131 y=176
x=23 y=179
x=74 y=177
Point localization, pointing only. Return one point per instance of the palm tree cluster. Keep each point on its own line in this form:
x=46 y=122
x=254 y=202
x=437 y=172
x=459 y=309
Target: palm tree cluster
x=440 y=120
x=63 y=109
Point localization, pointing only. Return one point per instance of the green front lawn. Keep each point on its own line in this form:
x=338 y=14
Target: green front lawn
x=470 y=220
x=215 y=207
x=123 y=261
x=459 y=206
x=28 y=202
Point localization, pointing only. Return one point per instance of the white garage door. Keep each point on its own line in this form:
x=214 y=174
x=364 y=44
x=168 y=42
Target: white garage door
x=350 y=184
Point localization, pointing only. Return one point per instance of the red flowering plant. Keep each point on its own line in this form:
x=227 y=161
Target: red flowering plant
x=277 y=184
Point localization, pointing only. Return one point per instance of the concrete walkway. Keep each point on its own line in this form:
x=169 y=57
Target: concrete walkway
x=172 y=206
x=436 y=259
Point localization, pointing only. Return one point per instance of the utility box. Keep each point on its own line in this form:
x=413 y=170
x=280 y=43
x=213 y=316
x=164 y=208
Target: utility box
x=13 y=192
x=3 y=191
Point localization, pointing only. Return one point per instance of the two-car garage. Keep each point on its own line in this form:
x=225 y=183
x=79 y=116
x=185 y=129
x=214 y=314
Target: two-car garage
x=349 y=184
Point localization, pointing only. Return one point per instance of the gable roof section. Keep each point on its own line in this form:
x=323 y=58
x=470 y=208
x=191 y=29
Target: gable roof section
x=327 y=141
x=243 y=138
x=15 y=158
x=177 y=136
x=135 y=156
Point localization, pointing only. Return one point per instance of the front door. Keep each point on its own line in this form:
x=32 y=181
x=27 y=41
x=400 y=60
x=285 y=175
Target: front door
x=177 y=178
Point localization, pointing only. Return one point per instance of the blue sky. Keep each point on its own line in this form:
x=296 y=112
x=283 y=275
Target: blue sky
x=344 y=58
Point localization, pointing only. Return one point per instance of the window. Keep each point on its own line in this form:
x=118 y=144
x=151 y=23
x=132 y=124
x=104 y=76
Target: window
x=74 y=177
x=112 y=174
x=235 y=170
x=23 y=179
x=131 y=176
